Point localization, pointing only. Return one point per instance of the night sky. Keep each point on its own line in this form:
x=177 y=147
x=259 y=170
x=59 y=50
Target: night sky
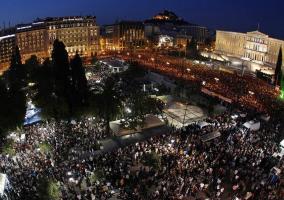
x=234 y=15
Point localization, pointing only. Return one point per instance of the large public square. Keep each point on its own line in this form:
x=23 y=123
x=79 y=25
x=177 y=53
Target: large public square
x=158 y=108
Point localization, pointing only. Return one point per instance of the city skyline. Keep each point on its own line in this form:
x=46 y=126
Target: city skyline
x=235 y=16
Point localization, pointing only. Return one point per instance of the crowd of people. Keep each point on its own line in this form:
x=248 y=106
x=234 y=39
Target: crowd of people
x=175 y=165
x=245 y=90
x=43 y=149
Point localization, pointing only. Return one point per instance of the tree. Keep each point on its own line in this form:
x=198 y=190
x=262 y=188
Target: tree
x=45 y=97
x=282 y=87
x=31 y=65
x=48 y=189
x=108 y=102
x=191 y=48
x=61 y=68
x=138 y=106
x=62 y=75
x=12 y=108
x=12 y=97
x=79 y=80
x=16 y=74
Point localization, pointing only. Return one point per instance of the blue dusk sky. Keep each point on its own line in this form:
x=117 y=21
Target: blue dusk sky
x=234 y=15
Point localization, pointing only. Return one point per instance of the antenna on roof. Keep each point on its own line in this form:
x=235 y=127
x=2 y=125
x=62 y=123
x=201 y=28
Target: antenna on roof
x=258 y=27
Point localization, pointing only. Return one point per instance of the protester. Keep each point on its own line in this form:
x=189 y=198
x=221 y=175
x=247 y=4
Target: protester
x=235 y=165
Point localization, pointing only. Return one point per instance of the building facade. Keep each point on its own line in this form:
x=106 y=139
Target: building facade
x=32 y=40
x=252 y=46
x=79 y=34
x=124 y=35
x=7 y=45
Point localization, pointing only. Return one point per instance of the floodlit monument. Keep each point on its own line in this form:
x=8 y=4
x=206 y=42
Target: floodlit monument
x=254 y=47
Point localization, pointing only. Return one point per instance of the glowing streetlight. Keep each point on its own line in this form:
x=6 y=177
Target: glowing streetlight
x=188 y=70
x=203 y=82
x=168 y=63
x=216 y=79
x=139 y=56
x=128 y=53
x=152 y=59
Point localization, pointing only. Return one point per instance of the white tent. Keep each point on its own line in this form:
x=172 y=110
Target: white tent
x=3 y=183
x=202 y=124
x=252 y=125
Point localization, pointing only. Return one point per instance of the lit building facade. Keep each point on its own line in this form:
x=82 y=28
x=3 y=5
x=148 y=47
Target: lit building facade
x=32 y=40
x=79 y=34
x=182 y=40
x=124 y=35
x=7 y=45
x=252 y=46
x=199 y=33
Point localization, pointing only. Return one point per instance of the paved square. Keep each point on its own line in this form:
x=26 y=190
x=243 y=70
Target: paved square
x=180 y=114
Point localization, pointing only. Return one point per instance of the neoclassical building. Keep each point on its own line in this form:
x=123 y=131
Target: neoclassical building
x=255 y=47
x=79 y=34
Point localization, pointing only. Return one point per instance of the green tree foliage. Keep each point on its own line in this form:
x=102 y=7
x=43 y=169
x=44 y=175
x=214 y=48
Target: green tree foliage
x=61 y=69
x=107 y=102
x=54 y=86
x=79 y=81
x=97 y=175
x=12 y=95
x=139 y=105
x=31 y=66
x=48 y=189
x=282 y=89
x=16 y=74
x=45 y=98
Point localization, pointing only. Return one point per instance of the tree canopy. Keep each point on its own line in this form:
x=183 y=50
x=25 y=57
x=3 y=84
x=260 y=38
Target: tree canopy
x=12 y=95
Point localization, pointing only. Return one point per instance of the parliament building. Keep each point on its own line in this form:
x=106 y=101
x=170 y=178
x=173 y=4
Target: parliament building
x=255 y=47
